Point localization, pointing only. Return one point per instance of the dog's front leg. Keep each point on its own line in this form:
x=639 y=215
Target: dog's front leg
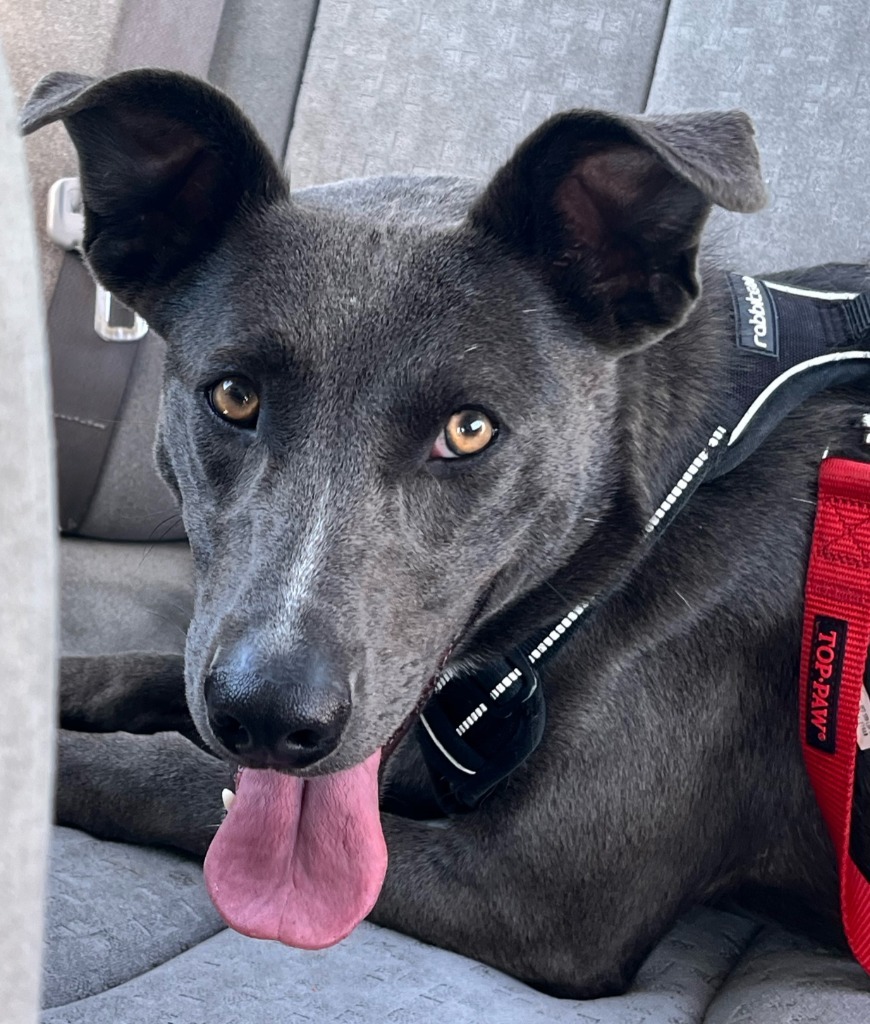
x=158 y=789
x=517 y=896
x=135 y=692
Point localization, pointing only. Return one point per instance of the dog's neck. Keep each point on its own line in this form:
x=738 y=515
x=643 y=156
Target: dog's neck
x=670 y=391
x=667 y=397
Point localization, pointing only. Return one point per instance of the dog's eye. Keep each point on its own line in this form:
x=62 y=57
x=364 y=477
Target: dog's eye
x=235 y=400
x=466 y=433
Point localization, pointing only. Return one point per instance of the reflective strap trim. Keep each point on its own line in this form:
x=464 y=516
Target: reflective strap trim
x=436 y=741
x=808 y=293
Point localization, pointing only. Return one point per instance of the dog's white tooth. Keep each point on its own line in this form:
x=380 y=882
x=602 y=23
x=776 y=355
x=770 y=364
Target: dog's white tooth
x=228 y=796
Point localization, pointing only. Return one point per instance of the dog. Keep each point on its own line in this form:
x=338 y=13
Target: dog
x=410 y=422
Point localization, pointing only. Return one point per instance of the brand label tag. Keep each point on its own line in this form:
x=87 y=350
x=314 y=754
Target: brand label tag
x=755 y=315
x=823 y=691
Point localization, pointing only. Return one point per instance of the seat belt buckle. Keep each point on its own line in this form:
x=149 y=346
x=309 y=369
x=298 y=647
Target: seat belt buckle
x=114 y=321
x=65 y=225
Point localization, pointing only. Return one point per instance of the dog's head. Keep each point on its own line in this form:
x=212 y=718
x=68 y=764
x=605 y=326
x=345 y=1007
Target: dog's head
x=390 y=411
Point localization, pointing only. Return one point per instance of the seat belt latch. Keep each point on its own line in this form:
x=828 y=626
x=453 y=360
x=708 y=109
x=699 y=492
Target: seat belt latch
x=65 y=224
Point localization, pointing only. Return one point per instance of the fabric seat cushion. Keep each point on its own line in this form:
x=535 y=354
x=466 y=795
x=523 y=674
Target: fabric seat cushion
x=132 y=937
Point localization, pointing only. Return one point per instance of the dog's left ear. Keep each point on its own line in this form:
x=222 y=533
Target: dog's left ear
x=610 y=210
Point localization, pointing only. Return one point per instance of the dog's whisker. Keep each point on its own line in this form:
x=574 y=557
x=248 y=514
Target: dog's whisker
x=805 y=501
x=169 y=523
x=147 y=552
x=179 y=608
x=147 y=514
x=558 y=594
x=685 y=602
x=164 y=618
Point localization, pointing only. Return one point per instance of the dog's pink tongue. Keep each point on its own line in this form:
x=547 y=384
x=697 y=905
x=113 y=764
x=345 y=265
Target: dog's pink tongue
x=299 y=860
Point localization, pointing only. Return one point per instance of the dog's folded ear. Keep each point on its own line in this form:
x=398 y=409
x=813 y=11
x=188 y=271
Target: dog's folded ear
x=166 y=161
x=610 y=209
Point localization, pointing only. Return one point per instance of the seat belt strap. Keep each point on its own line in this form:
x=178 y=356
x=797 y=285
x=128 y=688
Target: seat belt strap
x=834 y=703
x=90 y=375
x=88 y=378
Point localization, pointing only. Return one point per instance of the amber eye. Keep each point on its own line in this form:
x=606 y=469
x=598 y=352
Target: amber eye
x=466 y=433
x=235 y=400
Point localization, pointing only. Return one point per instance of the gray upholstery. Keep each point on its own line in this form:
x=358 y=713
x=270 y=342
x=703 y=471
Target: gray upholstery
x=782 y=979
x=155 y=901
x=409 y=87
x=177 y=964
x=259 y=61
x=452 y=87
x=801 y=70
x=28 y=603
x=39 y=36
x=131 y=501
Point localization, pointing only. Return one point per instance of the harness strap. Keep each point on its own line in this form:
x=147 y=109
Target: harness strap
x=834 y=702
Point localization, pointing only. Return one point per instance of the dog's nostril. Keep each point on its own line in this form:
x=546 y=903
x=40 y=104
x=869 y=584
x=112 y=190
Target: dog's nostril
x=307 y=739
x=233 y=734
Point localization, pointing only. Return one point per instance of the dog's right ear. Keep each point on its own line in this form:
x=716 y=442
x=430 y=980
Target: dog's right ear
x=166 y=162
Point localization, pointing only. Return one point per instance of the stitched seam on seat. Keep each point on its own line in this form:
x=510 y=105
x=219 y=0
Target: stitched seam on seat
x=297 y=86
x=655 y=65
x=132 y=977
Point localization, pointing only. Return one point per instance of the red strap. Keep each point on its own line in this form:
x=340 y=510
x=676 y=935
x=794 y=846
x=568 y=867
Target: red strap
x=836 y=638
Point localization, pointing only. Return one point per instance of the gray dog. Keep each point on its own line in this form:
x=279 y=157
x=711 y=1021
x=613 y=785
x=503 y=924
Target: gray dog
x=411 y=422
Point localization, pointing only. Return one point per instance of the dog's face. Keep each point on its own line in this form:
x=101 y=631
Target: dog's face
x=416 y=457
x=389 y=413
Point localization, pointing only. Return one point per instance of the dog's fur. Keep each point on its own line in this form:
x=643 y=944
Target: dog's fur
x=568 y=299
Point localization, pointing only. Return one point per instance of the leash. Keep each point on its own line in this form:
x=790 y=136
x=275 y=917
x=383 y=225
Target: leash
x=834 y=700
x=789 y=343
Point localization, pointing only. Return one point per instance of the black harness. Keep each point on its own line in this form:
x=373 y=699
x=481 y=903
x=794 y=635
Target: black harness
x=791 y=343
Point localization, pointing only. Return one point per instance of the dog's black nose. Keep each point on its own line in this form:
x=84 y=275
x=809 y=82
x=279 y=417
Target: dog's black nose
x=278 y=714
